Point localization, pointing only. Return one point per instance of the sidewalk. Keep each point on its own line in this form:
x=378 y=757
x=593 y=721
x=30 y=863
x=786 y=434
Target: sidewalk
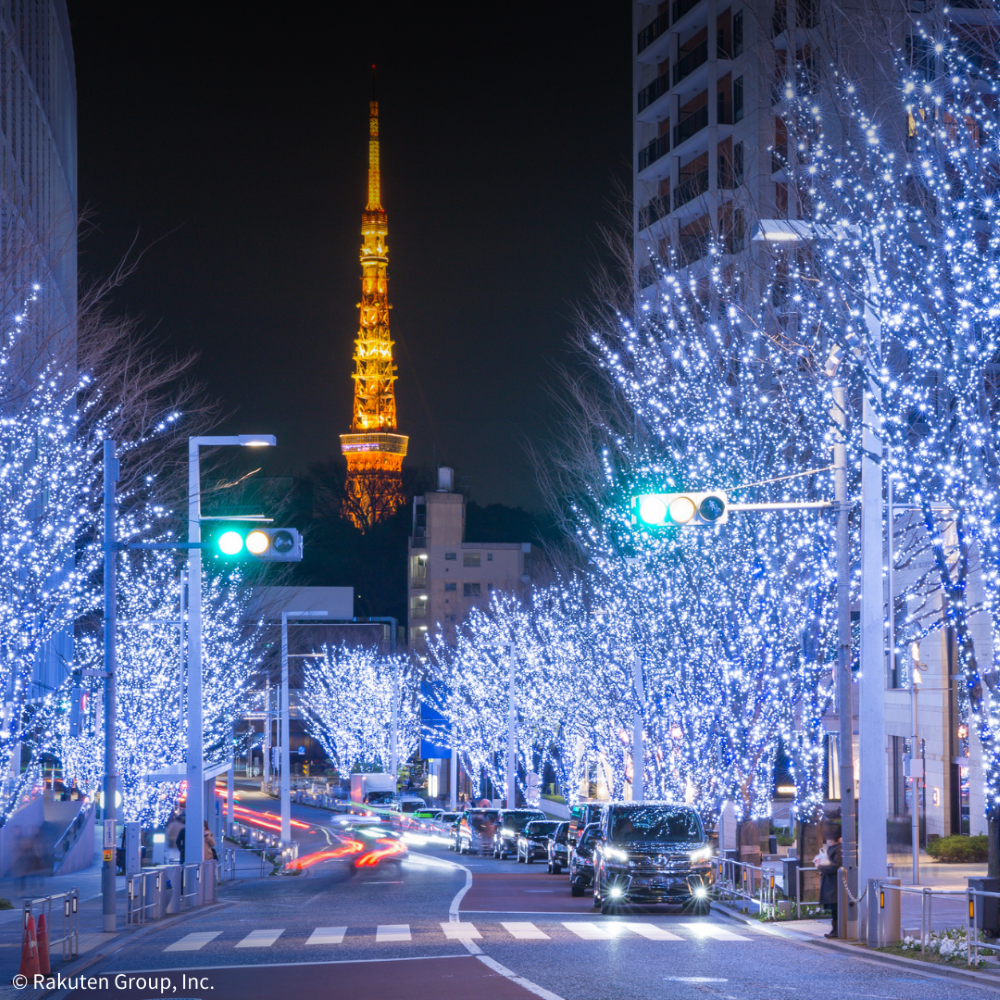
x=812 y=932
x=91 y=921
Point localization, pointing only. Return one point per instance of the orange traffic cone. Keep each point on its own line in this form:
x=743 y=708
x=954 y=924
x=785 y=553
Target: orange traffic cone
x=43 y=946
x=29 y=952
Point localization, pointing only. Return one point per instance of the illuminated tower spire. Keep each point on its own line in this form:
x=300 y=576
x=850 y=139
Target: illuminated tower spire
x=373 y=450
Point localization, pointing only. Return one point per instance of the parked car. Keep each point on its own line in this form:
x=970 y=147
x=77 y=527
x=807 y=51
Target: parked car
x=533 y=840
x=476 y=830
x=652 y=852
x=509 y=824
x=557 y=854
x=581 y=860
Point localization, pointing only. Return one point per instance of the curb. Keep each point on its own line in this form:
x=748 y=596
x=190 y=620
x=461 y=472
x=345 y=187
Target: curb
x=113 y=947
x=914 y=965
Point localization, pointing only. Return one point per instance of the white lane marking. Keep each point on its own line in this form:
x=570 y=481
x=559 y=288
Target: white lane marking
x=652 y=932
x=592 y=932
x=193 y=942
x=260 y=939
x=460 y=932
x=474 y=949
x=327 y=935
x=698 y=979
x=527 y=984
x=714 y=932
x=524 y=931
x=392 y=932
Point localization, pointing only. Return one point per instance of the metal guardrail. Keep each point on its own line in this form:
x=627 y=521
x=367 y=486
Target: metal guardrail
x=70 y=938
x=741 y=881
x=157 y=892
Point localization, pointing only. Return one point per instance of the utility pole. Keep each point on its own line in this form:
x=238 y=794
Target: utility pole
x=286 y=762
x=638 y=752
x=511 y=733
x=847 y=916
x=109 y=864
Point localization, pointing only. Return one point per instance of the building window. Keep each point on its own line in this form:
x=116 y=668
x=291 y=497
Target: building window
x=451 y=555
x=489 y=587
x=470 y=589
x=451 y=586
x=737 y=33
x=489 y=557
x=738 y=99
x=470 y=558
x=738 y=163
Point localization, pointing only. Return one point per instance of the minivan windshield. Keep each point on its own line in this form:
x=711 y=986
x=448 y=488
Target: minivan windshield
x=663 y=824
x=518 y=820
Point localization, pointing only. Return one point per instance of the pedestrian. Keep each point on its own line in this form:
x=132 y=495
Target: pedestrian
x=181 y=838
x=828 y=862
x=174 y=826
x=209 y=852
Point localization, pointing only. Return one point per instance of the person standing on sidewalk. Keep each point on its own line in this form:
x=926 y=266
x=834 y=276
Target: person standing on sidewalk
x=828 y=862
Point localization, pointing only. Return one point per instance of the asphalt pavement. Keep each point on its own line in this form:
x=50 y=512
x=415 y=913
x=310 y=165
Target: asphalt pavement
x=436 y=925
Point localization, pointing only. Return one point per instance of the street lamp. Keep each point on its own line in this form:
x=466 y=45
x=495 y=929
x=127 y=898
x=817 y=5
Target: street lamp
x=286 y=764
x=872 y=848
x=194 y=819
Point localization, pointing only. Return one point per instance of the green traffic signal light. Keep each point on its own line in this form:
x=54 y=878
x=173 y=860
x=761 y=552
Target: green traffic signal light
x=230 y=543
x=677 y=510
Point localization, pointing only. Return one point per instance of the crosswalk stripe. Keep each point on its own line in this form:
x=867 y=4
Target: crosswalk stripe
x=260 y=939
x=392 y=932
x=714 y=932
x=460 y=932
x=327 y=935
x=652 y=932
x=193 y=942
x=524 y=931
x=592 y=932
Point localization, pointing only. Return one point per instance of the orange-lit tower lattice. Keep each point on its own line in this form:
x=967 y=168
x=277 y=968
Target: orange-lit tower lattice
x=373 y=450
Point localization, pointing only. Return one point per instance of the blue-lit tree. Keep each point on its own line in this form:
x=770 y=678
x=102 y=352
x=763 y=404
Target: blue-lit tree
x=348 y=696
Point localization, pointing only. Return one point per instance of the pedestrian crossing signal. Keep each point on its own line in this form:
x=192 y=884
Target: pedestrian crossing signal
x=678 y=510
x=265 y=544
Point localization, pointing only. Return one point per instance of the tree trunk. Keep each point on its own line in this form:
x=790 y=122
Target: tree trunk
x=749 y=840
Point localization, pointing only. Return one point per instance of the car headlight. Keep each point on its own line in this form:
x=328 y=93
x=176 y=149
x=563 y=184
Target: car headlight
x=508 y=833
x=614 y=854
x=702 y=854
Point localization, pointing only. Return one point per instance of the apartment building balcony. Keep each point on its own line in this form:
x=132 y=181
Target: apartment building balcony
x=691 y=249
x=690 y=197
x=962 y=11
x=690 y=72
x=653 y=102
x=654 y=164
x=690 y=134
x=653 y=41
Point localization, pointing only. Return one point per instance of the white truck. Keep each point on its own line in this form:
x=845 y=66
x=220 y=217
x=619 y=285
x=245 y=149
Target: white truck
x=373 y=789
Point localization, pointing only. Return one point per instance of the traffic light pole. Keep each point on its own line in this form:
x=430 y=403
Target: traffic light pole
x=110 y=811
x=194 y=811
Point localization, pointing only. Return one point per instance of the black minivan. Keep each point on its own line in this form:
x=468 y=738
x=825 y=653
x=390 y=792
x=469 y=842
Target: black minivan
x=652 y=852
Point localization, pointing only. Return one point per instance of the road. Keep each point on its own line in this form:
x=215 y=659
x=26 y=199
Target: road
x=470 y=928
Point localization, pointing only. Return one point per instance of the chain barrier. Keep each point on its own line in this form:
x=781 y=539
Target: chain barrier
x=856 y=900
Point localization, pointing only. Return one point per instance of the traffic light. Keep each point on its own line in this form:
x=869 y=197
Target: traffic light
x=675 y=510
x=265 y=544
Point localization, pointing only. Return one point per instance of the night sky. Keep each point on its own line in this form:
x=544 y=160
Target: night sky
x=230 y=143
